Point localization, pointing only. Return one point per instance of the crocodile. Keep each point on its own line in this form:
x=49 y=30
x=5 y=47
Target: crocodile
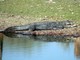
x=41 y=26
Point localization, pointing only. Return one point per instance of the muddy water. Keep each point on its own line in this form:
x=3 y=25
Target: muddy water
x=21 y=47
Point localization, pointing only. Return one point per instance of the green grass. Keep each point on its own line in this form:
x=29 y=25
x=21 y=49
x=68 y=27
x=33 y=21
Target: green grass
x=61 y=9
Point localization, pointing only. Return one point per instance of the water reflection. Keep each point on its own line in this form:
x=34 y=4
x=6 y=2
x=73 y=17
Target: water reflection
x=23 y=47
x=47 y=38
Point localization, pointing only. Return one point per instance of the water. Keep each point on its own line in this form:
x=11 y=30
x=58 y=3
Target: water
x=37 y=48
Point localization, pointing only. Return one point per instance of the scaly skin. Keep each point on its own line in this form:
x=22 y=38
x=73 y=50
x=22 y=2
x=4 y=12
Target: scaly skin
x=41 y=26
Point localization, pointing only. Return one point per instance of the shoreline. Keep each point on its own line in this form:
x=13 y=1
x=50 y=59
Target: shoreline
x=8 y=20
x=71 y=32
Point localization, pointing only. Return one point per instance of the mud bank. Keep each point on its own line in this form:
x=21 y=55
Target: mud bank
x=75 y=32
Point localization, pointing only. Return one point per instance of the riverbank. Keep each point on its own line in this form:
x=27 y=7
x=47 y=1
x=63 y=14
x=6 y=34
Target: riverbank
x=71 y=32
x=75 y=32
x=7 y=20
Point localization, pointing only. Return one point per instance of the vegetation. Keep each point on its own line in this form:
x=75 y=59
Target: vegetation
x=38 y=10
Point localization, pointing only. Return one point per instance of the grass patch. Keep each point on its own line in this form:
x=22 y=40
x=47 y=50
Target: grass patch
x=56 y=10
x=21 y=12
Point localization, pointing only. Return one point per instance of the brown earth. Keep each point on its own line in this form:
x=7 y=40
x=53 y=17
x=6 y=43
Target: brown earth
x=7 y=20
x=66 y=32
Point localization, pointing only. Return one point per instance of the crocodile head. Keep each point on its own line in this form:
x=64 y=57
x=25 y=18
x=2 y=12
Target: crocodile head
x=70 y=24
